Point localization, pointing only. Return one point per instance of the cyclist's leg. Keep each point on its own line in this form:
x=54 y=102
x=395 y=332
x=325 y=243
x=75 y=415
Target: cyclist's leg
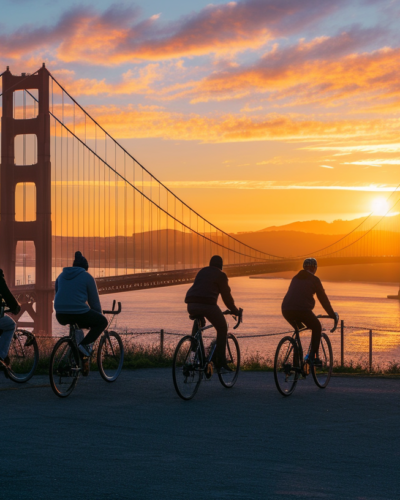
x=312 y=322
x=7 y=328
x=214 y=315
x=91 y=319
x=97 y=324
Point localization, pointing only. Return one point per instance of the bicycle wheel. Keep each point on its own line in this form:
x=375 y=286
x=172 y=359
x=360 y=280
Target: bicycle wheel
x=65 y=367
x=187 y=368
x=24 y=356
x=286 y=359
x=322 y=374
x=110 y=356
x=228 y=379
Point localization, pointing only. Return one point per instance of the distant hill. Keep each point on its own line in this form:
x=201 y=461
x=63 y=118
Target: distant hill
x=337 y=227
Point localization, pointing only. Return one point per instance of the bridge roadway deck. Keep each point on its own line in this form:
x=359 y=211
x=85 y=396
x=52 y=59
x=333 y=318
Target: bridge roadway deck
x=159 y=279
x=137 y=439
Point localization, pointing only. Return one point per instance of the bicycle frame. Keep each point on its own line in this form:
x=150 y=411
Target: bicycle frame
x=198 y=335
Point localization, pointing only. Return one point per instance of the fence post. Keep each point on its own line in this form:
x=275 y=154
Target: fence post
x=342 y=342
x=162 y=342
x=370 y=350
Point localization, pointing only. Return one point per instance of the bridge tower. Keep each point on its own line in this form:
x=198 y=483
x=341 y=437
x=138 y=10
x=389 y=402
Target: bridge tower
x=39 y=230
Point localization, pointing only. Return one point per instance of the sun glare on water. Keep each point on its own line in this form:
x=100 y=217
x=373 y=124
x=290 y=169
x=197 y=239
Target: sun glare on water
x=380 y=206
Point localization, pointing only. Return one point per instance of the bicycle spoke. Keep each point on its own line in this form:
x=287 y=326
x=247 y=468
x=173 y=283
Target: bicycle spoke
x=286 y=360
x=24 y=356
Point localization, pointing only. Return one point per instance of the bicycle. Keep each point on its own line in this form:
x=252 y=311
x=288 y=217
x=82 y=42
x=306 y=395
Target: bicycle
x=290 y=366
x=23 y=354
x=67 y=364
x=192 y=364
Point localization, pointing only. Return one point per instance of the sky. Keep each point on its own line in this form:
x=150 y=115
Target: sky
x=255 y=112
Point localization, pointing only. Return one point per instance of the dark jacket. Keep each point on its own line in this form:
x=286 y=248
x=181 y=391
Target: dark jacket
x=76 y=292
x=300 y=296
x=6 y=295
x=208 y=284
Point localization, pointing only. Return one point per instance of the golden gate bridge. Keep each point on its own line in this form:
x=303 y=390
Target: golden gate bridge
x=67 y=184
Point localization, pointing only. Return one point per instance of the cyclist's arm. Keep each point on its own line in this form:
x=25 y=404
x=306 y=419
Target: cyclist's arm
x=93 y=294
x=226 y=294
x=323 y=298
x=8 y=297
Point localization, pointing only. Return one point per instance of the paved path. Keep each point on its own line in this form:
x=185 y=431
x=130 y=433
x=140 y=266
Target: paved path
x=136 y=439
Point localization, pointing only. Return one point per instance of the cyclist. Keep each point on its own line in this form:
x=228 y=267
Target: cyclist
x=7 y=325
x=201 y=300
x=77 y=302
x=299 y=302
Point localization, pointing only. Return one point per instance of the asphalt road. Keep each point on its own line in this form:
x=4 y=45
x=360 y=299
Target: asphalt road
x=135 y=439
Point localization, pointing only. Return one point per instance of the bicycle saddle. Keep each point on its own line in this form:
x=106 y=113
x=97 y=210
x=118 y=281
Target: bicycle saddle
x=200 y=319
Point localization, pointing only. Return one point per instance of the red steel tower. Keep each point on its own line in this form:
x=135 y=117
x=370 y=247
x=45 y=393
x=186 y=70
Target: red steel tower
x=39 y=230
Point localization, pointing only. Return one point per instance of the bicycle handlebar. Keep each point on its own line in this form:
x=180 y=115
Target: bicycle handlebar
x=239 y=316
x=335 y=319
x=113 y=311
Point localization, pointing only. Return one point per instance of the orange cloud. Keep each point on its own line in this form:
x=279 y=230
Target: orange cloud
x=132 y=122
x=315 y=72
x=118 y=35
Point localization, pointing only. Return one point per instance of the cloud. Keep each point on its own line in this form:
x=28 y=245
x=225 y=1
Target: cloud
x=367 y=148
x=375 y=163
x=326 y=166
x=325 y=70
x=118 y=34
x=136 y=122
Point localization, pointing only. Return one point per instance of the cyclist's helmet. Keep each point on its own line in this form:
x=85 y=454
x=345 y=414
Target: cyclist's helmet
x=310 y=262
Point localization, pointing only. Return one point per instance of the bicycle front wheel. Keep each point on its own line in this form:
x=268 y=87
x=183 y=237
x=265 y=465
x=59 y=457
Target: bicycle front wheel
x=322 y=374
x=228 y=378
x=24 y=356
x=65 y=367
x=187 y=368
x=110 y=356
x=286 y=366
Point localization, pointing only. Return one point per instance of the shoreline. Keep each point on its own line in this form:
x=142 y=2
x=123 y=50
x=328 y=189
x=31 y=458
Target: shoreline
x=380 y=283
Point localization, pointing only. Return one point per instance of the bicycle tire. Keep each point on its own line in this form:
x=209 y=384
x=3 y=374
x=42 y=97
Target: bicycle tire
x=228 y=379
x=187 y=367
x=64 y=371
x=110 y=356
x=24 y=356
x=322 y=375
x=283 y=374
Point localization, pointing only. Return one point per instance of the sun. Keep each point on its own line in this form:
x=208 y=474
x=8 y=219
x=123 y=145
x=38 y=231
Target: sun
x=380 y=206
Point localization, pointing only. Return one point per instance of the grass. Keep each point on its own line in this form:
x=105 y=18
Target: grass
x=149 y=356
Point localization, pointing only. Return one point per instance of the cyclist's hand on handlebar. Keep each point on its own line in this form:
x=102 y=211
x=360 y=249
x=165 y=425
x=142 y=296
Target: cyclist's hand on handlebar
x=239 y=318
x=336 y=319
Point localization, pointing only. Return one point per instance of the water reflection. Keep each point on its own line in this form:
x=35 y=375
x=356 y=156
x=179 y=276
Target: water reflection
x=358 y=304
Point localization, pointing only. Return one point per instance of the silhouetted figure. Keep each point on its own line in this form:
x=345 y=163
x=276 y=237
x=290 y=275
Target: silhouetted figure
x=7 y=325
x=201 y=300
x=77 y=302
x=299 y=302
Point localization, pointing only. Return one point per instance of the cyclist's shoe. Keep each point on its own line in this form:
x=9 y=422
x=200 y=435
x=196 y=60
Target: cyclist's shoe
x=85 y=350
x=315 y=362
x=222 y=368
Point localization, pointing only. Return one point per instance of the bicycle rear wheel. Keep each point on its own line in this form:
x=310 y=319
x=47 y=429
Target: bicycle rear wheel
x=187 y=368
x=110 y=356
x=286 y=360
x=65 y=367
x=322 y=374
x=228 y=379
x=24 y=356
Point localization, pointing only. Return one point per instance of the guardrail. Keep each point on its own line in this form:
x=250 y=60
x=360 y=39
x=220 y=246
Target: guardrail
x=163 y=334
